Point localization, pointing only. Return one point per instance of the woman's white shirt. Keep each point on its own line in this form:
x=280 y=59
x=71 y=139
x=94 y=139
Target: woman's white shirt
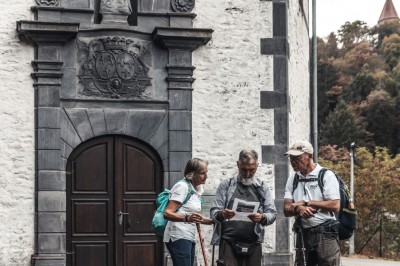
x=181 y=230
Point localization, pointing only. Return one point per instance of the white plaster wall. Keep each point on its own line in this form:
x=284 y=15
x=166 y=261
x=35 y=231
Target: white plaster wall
x=16 y=138
x=299 y=82
x=230 y=73
x=299 y=73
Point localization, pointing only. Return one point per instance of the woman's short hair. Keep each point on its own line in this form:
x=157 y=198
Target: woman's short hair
x=194 y=165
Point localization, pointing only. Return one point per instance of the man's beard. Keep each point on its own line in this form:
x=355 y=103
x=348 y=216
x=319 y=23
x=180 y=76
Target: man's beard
x=247 y=181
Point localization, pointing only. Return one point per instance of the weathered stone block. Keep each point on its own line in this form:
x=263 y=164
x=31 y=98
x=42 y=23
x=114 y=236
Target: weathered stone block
x=52 y=222
x=51 y=180
x=51 y=201
x=180 y=141
x=51 y=242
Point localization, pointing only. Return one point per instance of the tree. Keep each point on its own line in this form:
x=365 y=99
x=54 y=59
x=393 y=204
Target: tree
x=352 y=33
x=360 y=87
x=376 y=194
x=341 y=128
x=381 y=31
x=360 y=58
x=381 y=118
x=391 y=50
x=327 y=50
x=327 y=78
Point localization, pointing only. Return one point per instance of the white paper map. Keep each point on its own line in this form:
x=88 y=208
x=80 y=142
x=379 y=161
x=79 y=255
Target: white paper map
x=243 y=208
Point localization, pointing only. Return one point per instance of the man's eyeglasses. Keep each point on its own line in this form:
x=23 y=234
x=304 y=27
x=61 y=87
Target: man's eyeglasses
x=295 y=158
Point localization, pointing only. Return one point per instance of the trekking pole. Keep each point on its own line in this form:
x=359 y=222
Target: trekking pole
x=212 y=257
x=202 y=244
x=302 y=248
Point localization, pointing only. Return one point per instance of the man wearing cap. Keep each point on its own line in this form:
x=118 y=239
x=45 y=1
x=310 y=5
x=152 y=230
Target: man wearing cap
x=316 y=225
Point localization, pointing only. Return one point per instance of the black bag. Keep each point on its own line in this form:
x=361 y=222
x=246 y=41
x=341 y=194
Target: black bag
x=347 y=217
x=242 y=248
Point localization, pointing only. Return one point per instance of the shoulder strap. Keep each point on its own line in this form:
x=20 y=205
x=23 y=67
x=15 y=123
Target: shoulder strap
x=226 y=192
x=251 y=190
x=190 y=192
x=321 y=175
x=295 y=182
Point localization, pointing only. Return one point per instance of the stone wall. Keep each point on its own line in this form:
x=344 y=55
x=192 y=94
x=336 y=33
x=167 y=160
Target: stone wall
x=230 y=73
x=17 y=179
x=299 y=68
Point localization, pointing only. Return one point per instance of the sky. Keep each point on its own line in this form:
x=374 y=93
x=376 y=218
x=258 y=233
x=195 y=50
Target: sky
x=331 y=14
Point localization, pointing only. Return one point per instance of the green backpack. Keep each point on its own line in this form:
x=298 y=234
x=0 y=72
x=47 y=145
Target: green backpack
x=159 y=223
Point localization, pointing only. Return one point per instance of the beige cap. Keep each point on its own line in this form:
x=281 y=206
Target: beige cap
x=300 y=147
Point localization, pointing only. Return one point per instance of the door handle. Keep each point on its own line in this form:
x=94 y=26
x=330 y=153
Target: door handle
x=121 y=217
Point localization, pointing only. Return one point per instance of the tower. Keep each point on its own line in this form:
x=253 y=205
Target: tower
x=388 y=14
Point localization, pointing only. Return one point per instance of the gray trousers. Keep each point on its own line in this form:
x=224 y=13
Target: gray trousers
x=321 y=249
x=227 y=257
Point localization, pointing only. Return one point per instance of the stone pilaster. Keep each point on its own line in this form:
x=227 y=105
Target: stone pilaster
x=49 y=39
x=180 y=43
x=277 y=99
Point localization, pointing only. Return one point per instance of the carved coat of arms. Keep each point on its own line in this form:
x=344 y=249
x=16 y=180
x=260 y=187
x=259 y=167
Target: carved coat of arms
x=114 y=68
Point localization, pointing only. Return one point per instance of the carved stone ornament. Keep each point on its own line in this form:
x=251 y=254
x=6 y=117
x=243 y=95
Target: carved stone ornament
x=182 y=5
x=114 y=67
x=114 y=6
x=48 y=2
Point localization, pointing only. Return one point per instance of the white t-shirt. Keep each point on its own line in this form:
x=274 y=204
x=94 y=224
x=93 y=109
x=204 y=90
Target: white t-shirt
x=181 y=230
x=311 y=191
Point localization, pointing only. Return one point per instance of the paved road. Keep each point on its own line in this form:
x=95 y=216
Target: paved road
x=346 y=261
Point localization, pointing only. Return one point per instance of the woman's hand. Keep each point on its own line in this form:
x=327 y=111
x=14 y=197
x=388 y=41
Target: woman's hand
x=195 y=218
x=207 y=220
x=198 y=218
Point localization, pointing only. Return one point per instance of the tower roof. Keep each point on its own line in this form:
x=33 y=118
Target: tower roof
x=388 y=13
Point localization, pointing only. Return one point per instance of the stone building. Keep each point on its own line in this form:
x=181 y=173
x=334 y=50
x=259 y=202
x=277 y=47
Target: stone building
x=104 y=101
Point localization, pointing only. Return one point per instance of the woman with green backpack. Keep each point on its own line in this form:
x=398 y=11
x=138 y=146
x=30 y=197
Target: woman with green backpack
x=183 y=212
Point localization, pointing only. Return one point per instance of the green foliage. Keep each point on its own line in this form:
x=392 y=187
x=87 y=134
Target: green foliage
x=327 y=78
x=379 y=32
x=360 y=87
x=353 y=33
x=367 y=78
x=391 y=50
x=381 y=117
x=376 y=194
x=341 y=128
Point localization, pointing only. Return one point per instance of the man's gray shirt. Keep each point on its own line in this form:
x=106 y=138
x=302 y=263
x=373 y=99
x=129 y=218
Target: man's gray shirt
x=224 y=194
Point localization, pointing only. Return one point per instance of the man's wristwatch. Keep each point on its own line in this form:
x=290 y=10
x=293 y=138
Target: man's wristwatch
x=306 y=202
x=350 y=200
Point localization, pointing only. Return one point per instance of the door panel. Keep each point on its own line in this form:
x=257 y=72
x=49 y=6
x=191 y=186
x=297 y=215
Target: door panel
x=91 y=170
x=139 y=171
x=138 y=181
x=106 y=176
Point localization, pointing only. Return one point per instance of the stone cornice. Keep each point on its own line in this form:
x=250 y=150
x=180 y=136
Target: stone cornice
x=47 y=32
x=182 y=38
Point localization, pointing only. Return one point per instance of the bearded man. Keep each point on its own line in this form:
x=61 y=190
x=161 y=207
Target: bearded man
x=242 y=207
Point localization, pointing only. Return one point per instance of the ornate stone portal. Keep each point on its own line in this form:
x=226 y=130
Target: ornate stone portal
x=93 y=80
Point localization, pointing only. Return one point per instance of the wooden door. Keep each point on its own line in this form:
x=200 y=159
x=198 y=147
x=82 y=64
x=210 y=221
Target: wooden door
x=112 y=184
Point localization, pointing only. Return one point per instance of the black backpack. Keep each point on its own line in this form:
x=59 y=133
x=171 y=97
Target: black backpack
x=346 y=216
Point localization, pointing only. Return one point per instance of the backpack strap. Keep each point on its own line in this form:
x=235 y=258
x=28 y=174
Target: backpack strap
x=251 y=190
x=295 y=182
x=321 y=183
x=297 y=179
x=226 y=192
x=190 y=193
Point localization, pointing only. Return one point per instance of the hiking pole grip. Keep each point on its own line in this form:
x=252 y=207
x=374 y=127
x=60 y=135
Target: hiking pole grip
x=202 y=244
